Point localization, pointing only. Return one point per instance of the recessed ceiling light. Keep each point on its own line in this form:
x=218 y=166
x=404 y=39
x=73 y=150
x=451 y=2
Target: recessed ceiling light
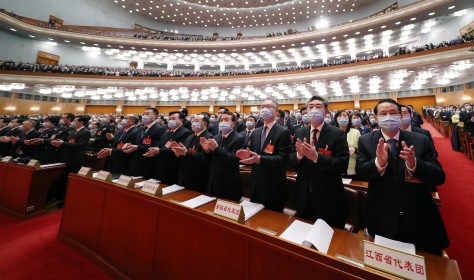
x=67 y=41
x=370 y=30
x=32 y=36
x=397 y=23
x=383 y=26
x=413 y=18
x=452 y=7
x=12 y=29
x=357 y=33
x=432 y=13
x=82 y=43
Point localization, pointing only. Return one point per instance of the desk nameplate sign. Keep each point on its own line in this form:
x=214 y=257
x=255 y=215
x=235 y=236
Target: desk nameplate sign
x=394 y=262
x=7 y=159
x=125 y=181
x=230 y=210
x=85 y=171
x=34 y=163
x=104 y=176
x=152 y=188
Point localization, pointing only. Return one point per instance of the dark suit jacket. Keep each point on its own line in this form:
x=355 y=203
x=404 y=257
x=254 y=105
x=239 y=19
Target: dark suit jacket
x=268 y=178
x=4 y=131
x=120 y=161
x=29 y=151
x=259 y=123
x=320 y=184
x=224 y=178
x=7 y=148
x=417 y=120
x=246 y=138
x=187 y=124
x=214 y=128
x=363 y=130
x=465 y=117
x=195 y=165
x=140 y=165
x=73 y=151
x=391 y=194
x=4 y=147
x=167 y=164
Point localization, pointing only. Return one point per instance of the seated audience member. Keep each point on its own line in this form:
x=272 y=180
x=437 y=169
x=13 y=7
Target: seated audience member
x=267 y=153
x=320 y=156
x=4 y=129
x=186 y=122
x=240 y=123
x=344 y=123
x=149 y=135
x=328 y=119
x=298 y=121
x=250 y=128
x=20 y=146
x=401 y=168
x=120 y=161
x=224 y=178
x=93 y=127
x=356 y=120
x=416 y=120
x=406 y=123
x=167 y=165
x=195 y=163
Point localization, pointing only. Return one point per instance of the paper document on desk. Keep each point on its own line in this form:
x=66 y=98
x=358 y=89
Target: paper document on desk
x=346 y=181
x=318 y=235
x=95 y=174
x=172 y=189
x=198 y=201
x=396 y=245
x=140 y=184
x=52 y=164
x=251 y=208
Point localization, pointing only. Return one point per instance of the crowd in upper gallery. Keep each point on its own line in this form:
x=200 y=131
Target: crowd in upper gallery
x=156 y=72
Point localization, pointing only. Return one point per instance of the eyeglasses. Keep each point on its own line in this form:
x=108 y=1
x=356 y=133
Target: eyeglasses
x=267 y=106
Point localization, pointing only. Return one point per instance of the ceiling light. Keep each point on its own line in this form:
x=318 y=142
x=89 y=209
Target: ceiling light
x=451 y=7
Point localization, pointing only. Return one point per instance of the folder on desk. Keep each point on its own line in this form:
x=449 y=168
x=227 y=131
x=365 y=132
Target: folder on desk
x=172 y=189
x=198 y=201
x=318 y=235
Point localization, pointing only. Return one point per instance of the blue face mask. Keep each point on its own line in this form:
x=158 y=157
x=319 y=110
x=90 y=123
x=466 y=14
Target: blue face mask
x=356 y=122
x=373 y=121
x=146 y=119
x=343 y=121
x=406 y=120
x=196 y=126
x=316 y=115
x=306 y=119
x=389 y=123
x=172 y=124
x=250 y=125
x=267 y=113
x=225 y=127
x=327 y=120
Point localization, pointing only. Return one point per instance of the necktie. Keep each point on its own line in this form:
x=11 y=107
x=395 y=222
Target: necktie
x=121 y=136
x=315 y=137
x=247 y=136
x=263 y=137
x=392 y=144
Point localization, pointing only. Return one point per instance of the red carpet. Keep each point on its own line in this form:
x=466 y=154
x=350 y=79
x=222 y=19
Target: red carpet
x=457 y=199
x=30 y=250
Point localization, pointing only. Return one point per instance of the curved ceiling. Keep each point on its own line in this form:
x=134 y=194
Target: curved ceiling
x=240 y=13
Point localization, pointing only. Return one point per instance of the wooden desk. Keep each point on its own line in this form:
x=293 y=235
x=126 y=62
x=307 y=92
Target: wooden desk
x=138 y=236
x=23 y=189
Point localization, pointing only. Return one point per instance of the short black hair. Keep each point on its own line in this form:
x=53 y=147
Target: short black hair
x=237 y=115
x=404 y=106
x=70 y=116
x=281 y=113
x=387 y=100
x=317 y=97
x=19 y=120
x=234 y=118
x=287 y=111
x=134 y=118
x=180 y=115
x=184 y=111
x=357 y=114
x=155 y=111
x=6 y=120
x=225 y=109
x=205 y=114
x=53 y=119
x=83 y=119
x=252 y=117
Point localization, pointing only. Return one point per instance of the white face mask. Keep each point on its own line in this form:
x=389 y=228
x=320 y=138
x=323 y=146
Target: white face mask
x=389 y=123
x=316 y=115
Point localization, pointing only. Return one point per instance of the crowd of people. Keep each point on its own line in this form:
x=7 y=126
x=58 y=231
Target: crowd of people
x=181 y=37
x=287 y=32
x=204 y=151
x=156 y=72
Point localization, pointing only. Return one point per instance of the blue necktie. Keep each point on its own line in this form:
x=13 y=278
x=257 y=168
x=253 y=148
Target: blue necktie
x=263 y=137
x=392 y=144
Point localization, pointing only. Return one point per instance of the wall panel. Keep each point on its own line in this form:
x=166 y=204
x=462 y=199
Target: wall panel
x=133 y=109
x=166 y=109
x=100 y=109
x=24 y=107
x=197 y=109
x=341 y=105
x=418 y=101
x=368 y=104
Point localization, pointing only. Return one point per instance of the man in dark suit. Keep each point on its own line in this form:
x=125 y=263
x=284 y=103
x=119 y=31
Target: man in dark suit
x=100 y=138
x=320 y=155
x=166 y=163
x=250 y=128
x=401 y=167
x=73 y=152
x=406 y=123
x=417 y=120
x=212 y=120
x=195 y=163
x=267 y=153
x=215 y=126
x=467 y=117
x=224 y=178
x=120 y=161
x=6 y=144
x=21 y=147
x=298 y=121
x=148 y=135
x=4 y=129
x=280 y=119
x=240 y=123
x=186 y=122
